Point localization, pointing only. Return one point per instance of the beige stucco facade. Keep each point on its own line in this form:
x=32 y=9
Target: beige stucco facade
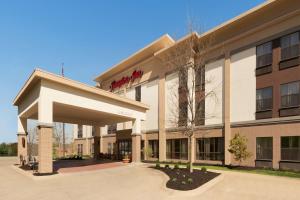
x=230 y=67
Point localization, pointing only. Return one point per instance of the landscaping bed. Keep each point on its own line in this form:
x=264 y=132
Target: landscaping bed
x=182 y=179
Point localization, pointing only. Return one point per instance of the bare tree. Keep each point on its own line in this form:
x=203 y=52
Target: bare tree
x=187 y=58
x=32 y=142
x=58 y=137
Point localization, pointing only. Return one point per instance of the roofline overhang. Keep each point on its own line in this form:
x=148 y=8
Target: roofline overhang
x=164 y=41
x=226 y=24
x=39 y=74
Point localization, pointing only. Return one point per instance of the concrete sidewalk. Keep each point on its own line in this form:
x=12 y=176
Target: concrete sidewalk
x=138 y=182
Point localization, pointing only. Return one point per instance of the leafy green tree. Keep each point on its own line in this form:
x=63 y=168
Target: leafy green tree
x=3 y=149
x=238 y=147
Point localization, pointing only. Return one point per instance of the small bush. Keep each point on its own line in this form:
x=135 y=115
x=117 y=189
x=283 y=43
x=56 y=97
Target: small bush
x=167 y=166
x=203 y=169
x=176 y=166
x=157 y=165
x=174 y=179
x=188 y=165
x=190 y=180
x=183 y=182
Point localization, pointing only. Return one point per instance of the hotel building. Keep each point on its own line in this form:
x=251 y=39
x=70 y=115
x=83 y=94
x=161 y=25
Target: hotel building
x=253 y=65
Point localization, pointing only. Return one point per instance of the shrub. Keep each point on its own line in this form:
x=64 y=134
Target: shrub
x=188 y=165
x=238 y=147
x=174 y=179
x=203 y=169
x=157 y=165
x=176 y=166
x=183 y=182
x=190 y=180
x=167 y=166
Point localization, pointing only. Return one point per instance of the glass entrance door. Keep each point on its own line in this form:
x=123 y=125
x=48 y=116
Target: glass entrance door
x=124 y=148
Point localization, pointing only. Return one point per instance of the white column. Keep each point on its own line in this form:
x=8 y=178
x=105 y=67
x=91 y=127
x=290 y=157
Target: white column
x=45 y=134
x=22 y=140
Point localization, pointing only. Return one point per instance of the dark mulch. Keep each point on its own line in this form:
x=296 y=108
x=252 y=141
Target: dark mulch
x=182 y=179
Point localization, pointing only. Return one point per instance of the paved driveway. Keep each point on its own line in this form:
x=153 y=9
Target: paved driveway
x=138 y=182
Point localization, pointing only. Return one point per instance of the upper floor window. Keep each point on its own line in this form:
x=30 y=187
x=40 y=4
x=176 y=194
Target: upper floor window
x=111 y=129
x=290 y=94
x=290 y=46
x=264 y=99
x=264 y=55
x=200 y=96
x=138 y=93
x=183 y=97
x=93 y=131
x=79 y=134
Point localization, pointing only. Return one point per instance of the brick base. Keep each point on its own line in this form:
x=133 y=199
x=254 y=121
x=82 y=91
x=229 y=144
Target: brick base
x=45 y=149
x=136 y=148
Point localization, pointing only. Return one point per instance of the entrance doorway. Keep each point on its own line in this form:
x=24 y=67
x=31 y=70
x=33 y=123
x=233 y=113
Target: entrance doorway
x=124 y=148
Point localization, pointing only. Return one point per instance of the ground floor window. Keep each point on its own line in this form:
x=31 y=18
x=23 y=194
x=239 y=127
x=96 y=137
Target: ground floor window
x=264 y=148
x=153 y=149
x=80 y=149
x=110 y=148
x=210 y=148
x=124 y=148
x=92 y=149
x=177 y=149
x=290 y=148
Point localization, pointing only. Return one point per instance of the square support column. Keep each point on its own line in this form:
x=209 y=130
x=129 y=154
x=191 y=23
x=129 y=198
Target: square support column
x=136 y=147
x=136 y=141
x=161 y=115
x=45 y=148
x=22 y=148
x=227 y=128
x=97 y=142
x=276 y=151
x=22 y=140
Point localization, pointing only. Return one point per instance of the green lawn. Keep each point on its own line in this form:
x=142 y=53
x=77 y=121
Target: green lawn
x=257 y=171
x=253 y=171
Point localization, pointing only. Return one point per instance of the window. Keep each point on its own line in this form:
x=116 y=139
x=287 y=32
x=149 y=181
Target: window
x=264 y=99
x=80 y=149
x=79 y=133
x=177 y=149
x=290 y=46
x=110 y=148
x=264 y=148
x=210 y=149
x=264 y=55
x=23 y=142
x=200 y=96
x=153 y=147
x=124 y=148
x=112 y=129
x=93 y=130
x=92 y=149
x=290 y=94
x=183 y=98
x=290 y=148
x=138 y=93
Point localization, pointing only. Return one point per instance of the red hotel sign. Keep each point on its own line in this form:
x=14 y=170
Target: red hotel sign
x=126 y=79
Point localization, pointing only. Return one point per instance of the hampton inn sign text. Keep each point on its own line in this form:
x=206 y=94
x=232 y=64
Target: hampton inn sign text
x=126 y=79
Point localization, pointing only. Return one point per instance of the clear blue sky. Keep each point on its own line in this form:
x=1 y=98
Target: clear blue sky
x=88 y=36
